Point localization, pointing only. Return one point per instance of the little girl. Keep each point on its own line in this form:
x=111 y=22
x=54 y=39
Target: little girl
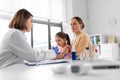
x=63 y=41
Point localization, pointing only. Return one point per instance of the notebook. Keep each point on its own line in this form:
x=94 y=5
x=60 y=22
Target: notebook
x=45 y=62
x=105 y=64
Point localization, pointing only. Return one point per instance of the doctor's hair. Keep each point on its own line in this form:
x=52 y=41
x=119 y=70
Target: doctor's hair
x=79 y=21
x=19 y=20
x=64 y=36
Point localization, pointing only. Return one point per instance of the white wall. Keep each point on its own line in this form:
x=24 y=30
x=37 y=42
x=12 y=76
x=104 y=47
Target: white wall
x=104 y=17
x=80 y=9
x=99 y=16
x=69 y=15
x=69 y=10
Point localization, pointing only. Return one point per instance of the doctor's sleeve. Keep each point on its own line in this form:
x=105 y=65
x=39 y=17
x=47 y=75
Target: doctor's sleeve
x=23 y=50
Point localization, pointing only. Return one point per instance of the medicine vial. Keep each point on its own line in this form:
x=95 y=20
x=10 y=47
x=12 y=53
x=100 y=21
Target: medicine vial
x=73 y=53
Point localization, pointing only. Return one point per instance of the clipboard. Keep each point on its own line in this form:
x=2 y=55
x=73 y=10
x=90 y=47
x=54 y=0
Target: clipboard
x=45 y=62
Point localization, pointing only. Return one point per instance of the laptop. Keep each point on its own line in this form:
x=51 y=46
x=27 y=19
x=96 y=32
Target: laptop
x=105 y=64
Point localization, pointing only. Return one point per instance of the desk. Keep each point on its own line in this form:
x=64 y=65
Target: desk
x=44 y=72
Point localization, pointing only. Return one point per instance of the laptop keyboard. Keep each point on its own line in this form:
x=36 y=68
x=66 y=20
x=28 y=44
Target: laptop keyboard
x=105 y=64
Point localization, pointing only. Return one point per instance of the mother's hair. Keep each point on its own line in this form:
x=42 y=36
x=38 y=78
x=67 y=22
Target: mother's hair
x=79 y=21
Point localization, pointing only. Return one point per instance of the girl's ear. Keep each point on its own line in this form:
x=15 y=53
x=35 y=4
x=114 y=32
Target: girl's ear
x=65 y=41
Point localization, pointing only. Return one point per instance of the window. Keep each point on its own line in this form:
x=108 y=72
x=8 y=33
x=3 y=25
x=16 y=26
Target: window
x=43 y=33
x=40 y=36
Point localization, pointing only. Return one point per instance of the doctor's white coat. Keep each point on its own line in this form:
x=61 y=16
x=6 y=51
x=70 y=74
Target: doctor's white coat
x=14 y=48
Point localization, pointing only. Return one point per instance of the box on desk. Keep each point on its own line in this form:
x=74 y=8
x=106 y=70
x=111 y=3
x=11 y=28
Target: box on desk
x=110 y=51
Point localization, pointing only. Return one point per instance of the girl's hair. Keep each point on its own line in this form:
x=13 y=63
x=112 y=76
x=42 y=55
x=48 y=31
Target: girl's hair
x=79 y=21
x=64 y=36
x=19 y=20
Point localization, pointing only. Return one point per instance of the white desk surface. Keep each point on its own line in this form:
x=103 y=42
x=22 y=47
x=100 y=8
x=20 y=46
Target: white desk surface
x=44 y=72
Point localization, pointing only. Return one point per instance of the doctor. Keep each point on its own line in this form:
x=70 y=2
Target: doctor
x=14 y=47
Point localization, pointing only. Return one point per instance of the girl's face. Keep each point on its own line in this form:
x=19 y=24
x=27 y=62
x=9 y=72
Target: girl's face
x=60 y=41
x=76 y=27
x=29 y=24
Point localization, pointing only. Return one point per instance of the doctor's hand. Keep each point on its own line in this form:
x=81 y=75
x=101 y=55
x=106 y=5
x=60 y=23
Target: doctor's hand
x=63 y=53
